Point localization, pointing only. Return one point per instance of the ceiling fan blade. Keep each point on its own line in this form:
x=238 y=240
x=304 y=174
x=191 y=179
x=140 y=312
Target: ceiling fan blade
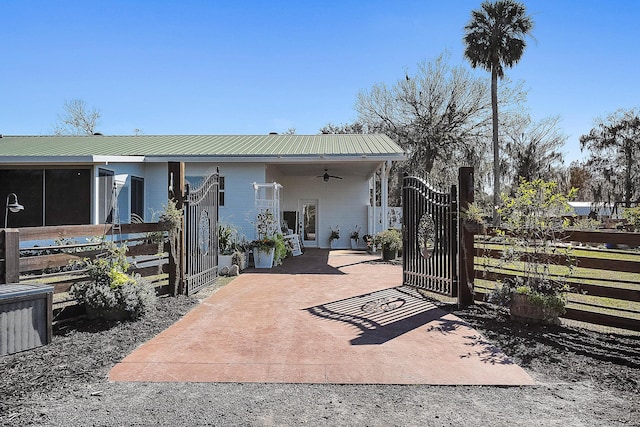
x=326 y=176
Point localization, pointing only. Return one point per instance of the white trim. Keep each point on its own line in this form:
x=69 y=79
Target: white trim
x=310 y=243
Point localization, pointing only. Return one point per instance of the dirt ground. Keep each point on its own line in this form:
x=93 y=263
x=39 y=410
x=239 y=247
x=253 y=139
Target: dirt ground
x=584 y=379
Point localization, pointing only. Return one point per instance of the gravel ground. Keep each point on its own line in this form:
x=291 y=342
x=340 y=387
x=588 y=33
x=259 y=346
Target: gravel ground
x=584 y=379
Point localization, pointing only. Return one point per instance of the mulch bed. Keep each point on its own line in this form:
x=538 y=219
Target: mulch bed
x=82 y=352
x=560 y=353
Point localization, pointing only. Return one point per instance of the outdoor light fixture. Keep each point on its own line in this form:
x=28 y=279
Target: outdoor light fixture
x=13 y=206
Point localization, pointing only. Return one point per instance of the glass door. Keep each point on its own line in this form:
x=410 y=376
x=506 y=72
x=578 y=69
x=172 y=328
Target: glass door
x=309 y=222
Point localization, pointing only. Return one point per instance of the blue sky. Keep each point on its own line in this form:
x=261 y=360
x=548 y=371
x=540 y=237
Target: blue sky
x=252 y=67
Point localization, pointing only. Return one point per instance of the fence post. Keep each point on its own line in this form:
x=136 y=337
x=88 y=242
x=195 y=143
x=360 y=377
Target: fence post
x=11 y=249
x=176 y=256
x=466 y=251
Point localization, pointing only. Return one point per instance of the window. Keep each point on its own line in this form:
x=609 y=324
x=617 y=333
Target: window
x=137 y=196
x=105 y=202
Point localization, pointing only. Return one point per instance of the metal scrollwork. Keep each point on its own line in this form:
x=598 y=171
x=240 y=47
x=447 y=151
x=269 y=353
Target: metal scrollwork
x=426 y=236
x=204 y=233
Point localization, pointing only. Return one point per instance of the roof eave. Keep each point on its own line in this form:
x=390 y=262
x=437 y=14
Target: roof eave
x=278 y=158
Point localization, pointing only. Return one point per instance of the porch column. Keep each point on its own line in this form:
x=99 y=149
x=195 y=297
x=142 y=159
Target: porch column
x=373 y=224
x=384 y=191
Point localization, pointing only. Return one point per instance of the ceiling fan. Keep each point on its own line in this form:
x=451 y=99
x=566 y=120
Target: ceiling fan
x=326 y=176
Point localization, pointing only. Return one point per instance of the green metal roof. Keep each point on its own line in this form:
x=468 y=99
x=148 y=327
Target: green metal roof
x=200 y=145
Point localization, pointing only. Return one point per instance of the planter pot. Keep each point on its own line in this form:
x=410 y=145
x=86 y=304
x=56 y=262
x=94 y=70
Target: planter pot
x=263 y=258
x=475 y=227
x=107 y=313
x=224 y=261
x=354 y=244
x=389 y=254
x=522 y=310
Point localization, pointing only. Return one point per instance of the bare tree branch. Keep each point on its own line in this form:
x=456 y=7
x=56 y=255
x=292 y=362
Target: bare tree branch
x=77 y=119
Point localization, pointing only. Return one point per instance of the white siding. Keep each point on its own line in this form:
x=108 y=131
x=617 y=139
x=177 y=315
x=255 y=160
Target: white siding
x=156 y=190
x=122 y=175
x=341 y=203
x=239 y=196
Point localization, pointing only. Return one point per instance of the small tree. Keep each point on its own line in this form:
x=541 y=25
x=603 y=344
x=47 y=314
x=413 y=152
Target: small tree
x=632 y=215
x=532 y=221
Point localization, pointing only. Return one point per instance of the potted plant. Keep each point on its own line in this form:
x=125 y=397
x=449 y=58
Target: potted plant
x=334 y=235
x=171 y=220
x=533 y=219
x=264 y=246
x=473 y=219
x=355 y=237
x=226 y=245
x=111 y=293
x=264 y=250
x=243 y=247
x=368 y=240
x=390 y=241
x=282 y=249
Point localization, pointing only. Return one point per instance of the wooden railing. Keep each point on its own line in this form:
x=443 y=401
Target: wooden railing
x=46 y=255
x=613 y=302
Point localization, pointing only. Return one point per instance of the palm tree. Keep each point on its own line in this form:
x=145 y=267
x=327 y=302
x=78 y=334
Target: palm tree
x=494 y=38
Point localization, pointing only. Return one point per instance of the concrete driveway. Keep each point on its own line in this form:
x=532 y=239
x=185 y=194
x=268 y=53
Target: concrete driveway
x=324 y=317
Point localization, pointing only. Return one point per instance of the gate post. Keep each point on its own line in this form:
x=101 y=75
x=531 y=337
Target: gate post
x=467 y=250
x=11 y=249
x=176 y=255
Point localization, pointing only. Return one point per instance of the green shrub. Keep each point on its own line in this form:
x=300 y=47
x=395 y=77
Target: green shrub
x=282 y=250
x=534 y=218
x=632 y=215
x=110 y=287
x=390 y=239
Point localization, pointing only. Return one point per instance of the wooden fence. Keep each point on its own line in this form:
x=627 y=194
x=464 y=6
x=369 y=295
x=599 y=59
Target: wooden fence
x=46 y=255
x=612 y=301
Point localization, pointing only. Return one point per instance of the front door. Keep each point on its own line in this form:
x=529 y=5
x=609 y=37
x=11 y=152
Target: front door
x=309 y=222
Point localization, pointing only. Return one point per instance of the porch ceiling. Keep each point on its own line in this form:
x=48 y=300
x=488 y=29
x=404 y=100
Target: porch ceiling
x=363 y=169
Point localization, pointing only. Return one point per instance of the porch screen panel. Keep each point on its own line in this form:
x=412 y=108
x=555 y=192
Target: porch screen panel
x=27 y=185
x=67 y=196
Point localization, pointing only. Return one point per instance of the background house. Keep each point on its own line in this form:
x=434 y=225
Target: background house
x=328 y=179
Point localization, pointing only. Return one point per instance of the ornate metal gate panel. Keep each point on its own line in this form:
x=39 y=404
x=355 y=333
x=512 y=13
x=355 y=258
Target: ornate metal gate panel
x=430 y=246
x=201 y=234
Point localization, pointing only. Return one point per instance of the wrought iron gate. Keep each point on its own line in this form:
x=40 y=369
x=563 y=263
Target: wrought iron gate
x=201 y=234
x=430 y=246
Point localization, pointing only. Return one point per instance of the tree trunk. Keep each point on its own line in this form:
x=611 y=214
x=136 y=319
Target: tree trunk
x=628 y=187
x=496 y=146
